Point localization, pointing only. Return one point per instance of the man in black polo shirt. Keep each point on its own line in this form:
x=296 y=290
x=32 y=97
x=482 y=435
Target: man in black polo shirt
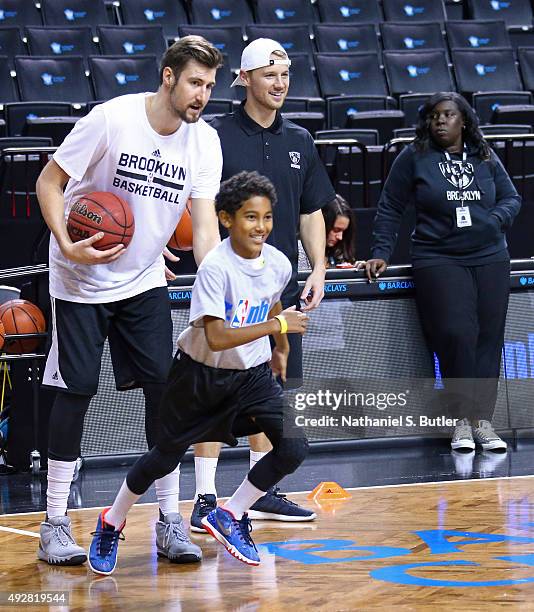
x=257 y=137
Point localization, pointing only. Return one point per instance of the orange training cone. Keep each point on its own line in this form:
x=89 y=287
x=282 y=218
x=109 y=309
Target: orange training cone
x=326 y=491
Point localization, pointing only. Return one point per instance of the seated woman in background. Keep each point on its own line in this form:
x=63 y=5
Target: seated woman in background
x=340 y=234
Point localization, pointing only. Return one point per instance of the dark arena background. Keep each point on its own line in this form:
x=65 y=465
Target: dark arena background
x=361 y=69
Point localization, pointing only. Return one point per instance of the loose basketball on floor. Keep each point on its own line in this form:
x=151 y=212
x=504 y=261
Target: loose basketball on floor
x=101 y=211
x=182 y=237
x=2 y=335
x=21 y=317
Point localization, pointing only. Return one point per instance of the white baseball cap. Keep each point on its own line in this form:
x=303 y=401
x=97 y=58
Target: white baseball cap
x=258 y=55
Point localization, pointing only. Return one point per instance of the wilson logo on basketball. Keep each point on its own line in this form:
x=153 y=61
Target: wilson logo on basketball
x=81 y=209
x=101 y=212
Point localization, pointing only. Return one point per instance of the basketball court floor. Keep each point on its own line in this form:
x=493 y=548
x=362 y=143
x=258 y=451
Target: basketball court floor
x=423 y=529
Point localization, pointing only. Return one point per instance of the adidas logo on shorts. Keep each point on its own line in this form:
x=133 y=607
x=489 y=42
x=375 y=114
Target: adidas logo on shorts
x=156 y=153
x=55 y=376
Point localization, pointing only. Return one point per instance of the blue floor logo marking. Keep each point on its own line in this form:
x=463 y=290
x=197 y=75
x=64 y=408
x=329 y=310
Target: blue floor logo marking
x=314 y=552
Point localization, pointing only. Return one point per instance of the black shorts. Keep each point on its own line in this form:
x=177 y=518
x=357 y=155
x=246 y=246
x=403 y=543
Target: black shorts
x=205 y=404
x=139 y=331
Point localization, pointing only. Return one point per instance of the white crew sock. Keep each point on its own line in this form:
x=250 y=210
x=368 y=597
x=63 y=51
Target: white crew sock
x=243 y=498
x=60 y=475
x=125 y=499
x=168 y=491
x=255 y=456
x=205 y=470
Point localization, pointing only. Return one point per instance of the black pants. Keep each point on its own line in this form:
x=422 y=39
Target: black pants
x=285 y=457
x=463 y=314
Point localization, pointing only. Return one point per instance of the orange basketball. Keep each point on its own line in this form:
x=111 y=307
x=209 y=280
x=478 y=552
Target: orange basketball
x=21 y=317
x=101 y=211
x=2 y=334
x=182 y=238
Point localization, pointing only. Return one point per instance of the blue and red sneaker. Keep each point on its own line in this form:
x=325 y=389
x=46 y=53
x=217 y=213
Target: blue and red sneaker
x=104 y=546
x=233 y=534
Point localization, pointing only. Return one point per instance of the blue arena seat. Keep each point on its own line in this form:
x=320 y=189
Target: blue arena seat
x=294 y=38
x=8 y=87
x=88 y=13
x=411 y=36
x=477 y=34
x=365 y=136
x=116 y=75
x=349 y=11
x=18 y=113
x=132 y=40
x=512 y=12
x=228 y=39
x=169 y=14
x=339 y=38
x=51 y=79
x=410 y=104
x=221 y=12
x=19 y=13
x=486 y=70
x=417 y=71
x=285 y=11
x=60 y=41
x=486 y=102
x=339 y=109
x=526 y=63
x=11 y=43
x=350 y=74
x=415 y=10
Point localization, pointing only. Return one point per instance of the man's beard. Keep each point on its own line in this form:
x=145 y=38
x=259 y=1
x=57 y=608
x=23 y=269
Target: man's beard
x=182 y=114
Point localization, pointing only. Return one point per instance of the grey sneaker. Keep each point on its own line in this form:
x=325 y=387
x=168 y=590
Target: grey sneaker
x=173 y=542
x=485 y=436
x=56 y=545
x=463 y=436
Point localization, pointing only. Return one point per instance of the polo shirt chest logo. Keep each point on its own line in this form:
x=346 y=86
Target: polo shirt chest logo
x=294 y=156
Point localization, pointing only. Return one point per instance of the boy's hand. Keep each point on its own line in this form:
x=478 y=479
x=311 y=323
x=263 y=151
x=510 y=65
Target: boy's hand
x=297 y=321
x=169 y=274
x=278 y=363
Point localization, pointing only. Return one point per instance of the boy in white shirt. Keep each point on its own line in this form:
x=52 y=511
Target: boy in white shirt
x=221 y=384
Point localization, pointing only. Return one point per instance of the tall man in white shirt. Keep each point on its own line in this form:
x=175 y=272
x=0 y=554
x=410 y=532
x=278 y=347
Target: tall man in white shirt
x=154 y=151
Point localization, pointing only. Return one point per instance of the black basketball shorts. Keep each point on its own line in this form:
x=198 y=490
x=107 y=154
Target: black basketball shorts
x=139 y=331
x=205 y=404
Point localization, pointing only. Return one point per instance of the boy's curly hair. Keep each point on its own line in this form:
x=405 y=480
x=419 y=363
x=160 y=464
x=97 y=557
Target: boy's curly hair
x=240 y=188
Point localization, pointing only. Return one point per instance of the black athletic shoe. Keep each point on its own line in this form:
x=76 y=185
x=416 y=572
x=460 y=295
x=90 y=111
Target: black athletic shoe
x=203 y=506
x=274 y=506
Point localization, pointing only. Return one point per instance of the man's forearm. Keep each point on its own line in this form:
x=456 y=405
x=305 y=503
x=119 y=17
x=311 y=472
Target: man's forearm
x=49 y=189
x=312 y=234
x=203 y=244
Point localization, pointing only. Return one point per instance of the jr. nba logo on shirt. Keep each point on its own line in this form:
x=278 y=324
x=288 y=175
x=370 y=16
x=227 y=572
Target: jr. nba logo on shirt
x=240 y=314
x=245 y=314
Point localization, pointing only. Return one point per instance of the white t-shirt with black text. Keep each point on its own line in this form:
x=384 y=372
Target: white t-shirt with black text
x=239 y=291
x=114 y=148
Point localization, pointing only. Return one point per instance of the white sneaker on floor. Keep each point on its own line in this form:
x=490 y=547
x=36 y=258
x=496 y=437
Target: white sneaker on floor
x=485 y=436
x=462 y=438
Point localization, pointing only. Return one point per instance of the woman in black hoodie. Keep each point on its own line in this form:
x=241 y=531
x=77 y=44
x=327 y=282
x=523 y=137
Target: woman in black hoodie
x=464 y=201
